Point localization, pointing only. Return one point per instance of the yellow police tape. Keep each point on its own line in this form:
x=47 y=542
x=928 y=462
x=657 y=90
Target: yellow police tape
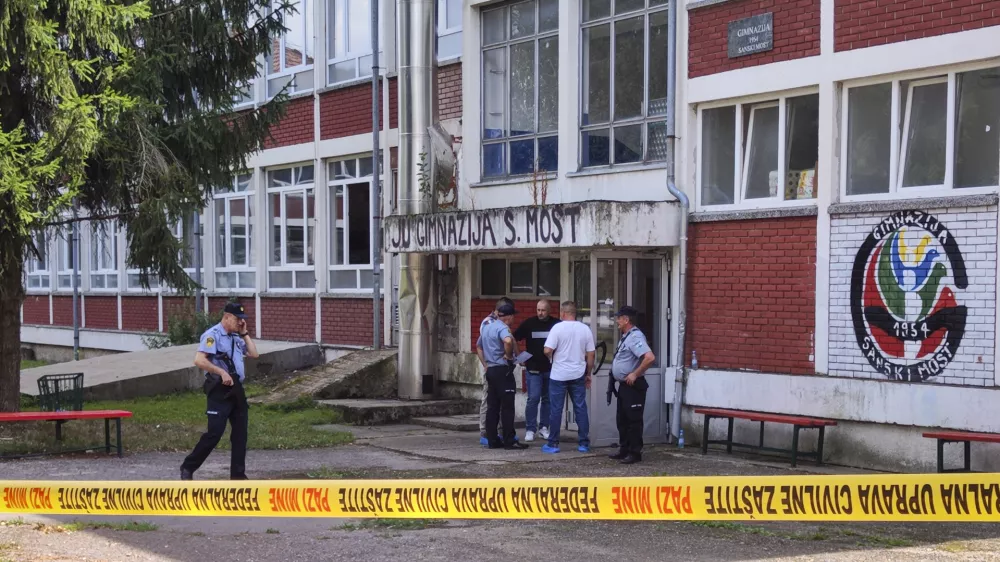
x=897 y=497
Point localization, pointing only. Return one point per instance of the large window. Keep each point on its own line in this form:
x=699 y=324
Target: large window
x=66 y=258
x=37 y=267
x=291 y=58
x=449 y=34
x=233 y=222
x=351 y=210
x=624 y=85
x=923 y=136
x=519 y=277
x=520 y=69
x=349 y=38
x=291 y=215
x=759 y=153
x=103 y=255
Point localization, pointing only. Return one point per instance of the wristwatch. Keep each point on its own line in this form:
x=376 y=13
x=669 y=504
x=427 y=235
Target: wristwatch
x=244 y=334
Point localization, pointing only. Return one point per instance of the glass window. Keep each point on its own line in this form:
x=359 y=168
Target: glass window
x=801 y=146
x=67 y=253
x=350 y=218
x=539 y=277
x=493 y=277
x=292 y=222
x=925 y=125
x=624 y=50
x=761 y=149
x=521 y=277
x=291 y=57
x=977 y=135
x=37 y=267
x=520 y=105
x=349 y=40
x=718 y=153
x=233 y=217
x=103 y=255
x=449 y=35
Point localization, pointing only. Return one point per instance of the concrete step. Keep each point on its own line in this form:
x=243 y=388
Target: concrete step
x=359 y=374
x=465 y=422
x=381 y=412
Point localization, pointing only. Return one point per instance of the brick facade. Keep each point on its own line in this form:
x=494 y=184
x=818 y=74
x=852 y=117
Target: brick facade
x=296 y=127
x=348 y=321
x=62 y=310
x=752 y=295
x=216 y=304
x=140 y=314
x=867 y=23
x=36 y=310
x=288 y=319
x=449 y=91
x=102 y=312
x=901 y=289
x=177 y=307
x=348 y=111
x=796 y=34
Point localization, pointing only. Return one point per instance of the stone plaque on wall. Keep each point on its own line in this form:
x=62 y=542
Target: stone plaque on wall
x=751 y=35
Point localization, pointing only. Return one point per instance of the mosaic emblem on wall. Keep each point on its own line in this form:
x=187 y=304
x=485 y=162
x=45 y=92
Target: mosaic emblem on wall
x=905 y=287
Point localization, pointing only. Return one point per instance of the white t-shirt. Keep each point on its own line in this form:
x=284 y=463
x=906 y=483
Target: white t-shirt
x=570 y=341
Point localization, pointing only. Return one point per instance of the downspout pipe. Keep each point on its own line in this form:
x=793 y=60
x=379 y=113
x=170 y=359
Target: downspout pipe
x=675 y=411
x=377 y=189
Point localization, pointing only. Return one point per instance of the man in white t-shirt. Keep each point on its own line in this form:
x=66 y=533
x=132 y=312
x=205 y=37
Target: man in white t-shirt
x=570 y=347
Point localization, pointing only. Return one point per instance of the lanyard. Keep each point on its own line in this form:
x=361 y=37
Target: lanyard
x=621 y=342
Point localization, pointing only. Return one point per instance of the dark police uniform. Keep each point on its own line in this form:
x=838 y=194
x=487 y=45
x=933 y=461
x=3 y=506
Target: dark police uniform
x=631 y=399
x=225 y=403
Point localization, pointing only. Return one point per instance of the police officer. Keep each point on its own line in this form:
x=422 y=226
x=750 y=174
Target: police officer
x=632 y=358
x=495 y=349
x=220 y=356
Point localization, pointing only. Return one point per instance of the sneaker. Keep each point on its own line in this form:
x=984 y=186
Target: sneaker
x=484 y=441
x=583 y=449
x=529 y=436
x=550 y=449
x=543 y=433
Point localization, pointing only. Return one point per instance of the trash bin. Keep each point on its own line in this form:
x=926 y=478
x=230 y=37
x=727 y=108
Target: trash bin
x=61 y=392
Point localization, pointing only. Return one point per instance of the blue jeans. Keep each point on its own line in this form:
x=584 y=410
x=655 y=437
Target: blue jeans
x=538 y=391
x=578 y=395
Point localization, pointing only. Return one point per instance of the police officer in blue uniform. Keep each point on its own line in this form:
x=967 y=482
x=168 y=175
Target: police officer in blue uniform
x=220 y=356
x=632 y=358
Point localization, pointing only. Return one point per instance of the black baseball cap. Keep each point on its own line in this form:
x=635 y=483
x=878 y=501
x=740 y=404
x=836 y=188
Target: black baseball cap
x=236 y=309
x=627 y=311
x=506 y=310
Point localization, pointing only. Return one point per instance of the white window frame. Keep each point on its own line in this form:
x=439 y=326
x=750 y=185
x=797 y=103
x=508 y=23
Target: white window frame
x=645 y=120
x=333 y=183
x=230 y=269
x=905 y=129
x=33 y=269
x=360 y=72
x=742 y=154
x=533 y=260
x=895 y=190
x=291 y=74
x=309 y=260
x=444 y=31
x=98 y=245
x=64 y=263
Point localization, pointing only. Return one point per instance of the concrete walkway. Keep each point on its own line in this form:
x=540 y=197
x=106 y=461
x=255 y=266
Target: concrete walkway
x=162 y=371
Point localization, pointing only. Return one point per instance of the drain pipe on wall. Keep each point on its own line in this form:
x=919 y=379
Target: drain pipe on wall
x=675 y=411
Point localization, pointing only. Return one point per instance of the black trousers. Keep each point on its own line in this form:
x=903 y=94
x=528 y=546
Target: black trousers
x=500 y=404
x=631 y=404
x=225 y=404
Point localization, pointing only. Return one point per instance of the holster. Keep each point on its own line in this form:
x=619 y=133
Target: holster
x=611 y=388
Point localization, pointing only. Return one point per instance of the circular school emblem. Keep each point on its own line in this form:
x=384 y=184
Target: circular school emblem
x=905 y=287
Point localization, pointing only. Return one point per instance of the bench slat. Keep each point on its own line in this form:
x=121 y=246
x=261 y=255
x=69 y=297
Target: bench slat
x=761 y=416
x=56 y=416
x=963 y=436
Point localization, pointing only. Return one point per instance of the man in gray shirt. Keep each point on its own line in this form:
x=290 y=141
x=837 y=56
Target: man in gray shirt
x=632 y=358
x=495 y=348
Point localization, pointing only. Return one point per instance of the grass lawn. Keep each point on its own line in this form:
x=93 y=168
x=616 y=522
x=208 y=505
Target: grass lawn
x=174 y=423
x=31 y=364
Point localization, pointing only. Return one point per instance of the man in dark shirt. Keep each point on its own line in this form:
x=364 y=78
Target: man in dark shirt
x=534 y=330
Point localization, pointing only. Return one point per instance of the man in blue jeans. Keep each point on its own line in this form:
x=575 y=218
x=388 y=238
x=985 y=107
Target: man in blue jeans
x=535 y=331
x=570 y=347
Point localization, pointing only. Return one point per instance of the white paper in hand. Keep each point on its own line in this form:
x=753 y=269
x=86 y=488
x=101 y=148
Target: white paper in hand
x=522 y=358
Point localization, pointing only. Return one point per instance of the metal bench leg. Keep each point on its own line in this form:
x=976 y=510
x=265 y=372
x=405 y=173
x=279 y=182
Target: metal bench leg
x=107 y=436
x=704 y=440
x=968 y=456
x=729 y=438
x=761 y=435
x=59 y=429
x=118 y=427
x=795 y=445
x=940 y=455
x=819 y=446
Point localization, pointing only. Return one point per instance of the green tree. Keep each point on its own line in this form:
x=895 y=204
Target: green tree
x=124 y=109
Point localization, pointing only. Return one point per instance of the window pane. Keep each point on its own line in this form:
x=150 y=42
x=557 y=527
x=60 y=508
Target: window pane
x=628 y=144
x=548 y=278
x=274 y=217
x=718 y=146
x=629 y=49
x=656 y=141
x=596 y=74
x=522 y=20
x=343 y=71
x=548 y=15
x=596 y=148
x=344 y=279
x=977 y=135
x=247 y=279
x=657 y=80
x=762 y=153
x=364 y=167
x=304 y=174
x=279 y=178
x=225 y=280
x=494 y=160
x=359 y=29
x=494 y=26
x=522 y=89
x=548 y=84
x=521 y=278
x=295 y=22
x=801 y=147
x=239 y=230
x=308 y=29
x=924 y=132
x=522 y=157
x=454 y=13
x=337 y=230
x=548 y=153
x=343 y=169
x=295 y=236
x=310 y=225
x=280 y=279
x=243 y=182
x=595 y=9
x=359 y=221
x=336 y=29
x=868 y=139
x=493 y=277
x=220 y=233
x=494 y=93
x=623 y=6
x=449 y=46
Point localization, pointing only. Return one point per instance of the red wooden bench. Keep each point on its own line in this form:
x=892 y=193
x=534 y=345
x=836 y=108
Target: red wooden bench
x=62 y=417
x=966 y=437
x=797 y=422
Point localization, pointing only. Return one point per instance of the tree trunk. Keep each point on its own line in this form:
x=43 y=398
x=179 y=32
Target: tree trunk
x=11 y=298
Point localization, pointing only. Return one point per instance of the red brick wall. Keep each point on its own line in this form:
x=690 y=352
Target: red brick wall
x=176 y=306
x=62 y=311
x=867 y=23
x=752 y=293
x=140 y=314
x=450 y=91
x=36 y=309
x=102 y=312
x=796 y=33
x=348 y=111
x=288 y=319
x=216 y=304
x=481 y=308
x=296 y=127
x=348 y=321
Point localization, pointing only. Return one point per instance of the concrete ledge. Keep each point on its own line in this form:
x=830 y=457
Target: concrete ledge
x=751 y=214
x=695 y=4
x=377 y=412
x=910 y=204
